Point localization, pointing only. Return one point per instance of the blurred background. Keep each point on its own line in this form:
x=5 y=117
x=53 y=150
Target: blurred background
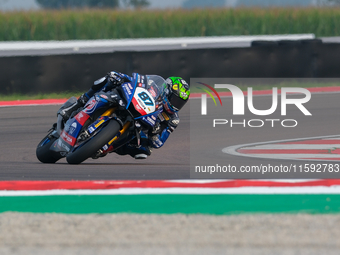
x=59 y=45
x=8 y=5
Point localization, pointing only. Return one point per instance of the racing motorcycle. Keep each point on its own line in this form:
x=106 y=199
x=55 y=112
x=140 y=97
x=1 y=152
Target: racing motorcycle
x=109 y=120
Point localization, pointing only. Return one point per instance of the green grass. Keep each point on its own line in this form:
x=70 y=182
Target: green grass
x=110 y=24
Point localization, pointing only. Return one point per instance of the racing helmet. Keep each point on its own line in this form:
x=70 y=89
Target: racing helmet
x=176 y=94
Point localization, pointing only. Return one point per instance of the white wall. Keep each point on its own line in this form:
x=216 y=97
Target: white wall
x=165 y=3
x=11 y=5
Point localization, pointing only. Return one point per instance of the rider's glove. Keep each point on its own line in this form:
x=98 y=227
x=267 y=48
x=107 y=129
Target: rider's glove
x=115 y=78
x=156 y=141
x=156 y=129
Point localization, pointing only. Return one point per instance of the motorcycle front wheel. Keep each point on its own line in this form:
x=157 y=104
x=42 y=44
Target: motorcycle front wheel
x=94 y=144
x=43 y=152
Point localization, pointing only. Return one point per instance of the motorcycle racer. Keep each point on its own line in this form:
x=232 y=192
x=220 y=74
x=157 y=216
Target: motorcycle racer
x=175 y=96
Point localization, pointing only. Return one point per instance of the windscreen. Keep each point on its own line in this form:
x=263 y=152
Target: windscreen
x=156 y=86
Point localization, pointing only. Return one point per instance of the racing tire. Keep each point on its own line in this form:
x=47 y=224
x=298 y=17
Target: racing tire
x=43 y=152
x=94 y=144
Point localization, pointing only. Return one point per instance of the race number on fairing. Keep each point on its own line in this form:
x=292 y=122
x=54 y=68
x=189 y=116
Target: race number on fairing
x=143 y=101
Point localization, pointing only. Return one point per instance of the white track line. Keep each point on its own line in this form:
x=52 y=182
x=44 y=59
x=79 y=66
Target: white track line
x=292 y=147
x=179 y=191
x=296 y=156
x=232 y=150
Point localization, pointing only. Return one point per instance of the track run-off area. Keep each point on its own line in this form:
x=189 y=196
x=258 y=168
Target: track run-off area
x=168 y=197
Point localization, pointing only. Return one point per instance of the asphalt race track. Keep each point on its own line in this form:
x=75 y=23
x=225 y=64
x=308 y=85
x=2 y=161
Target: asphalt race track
x=22 y=128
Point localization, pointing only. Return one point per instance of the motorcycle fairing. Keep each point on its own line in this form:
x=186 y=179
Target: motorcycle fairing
x=128 y=91
x=73 y=126
x=129 y=88
x=68 y=136
x=150 y=119
x=143 y=101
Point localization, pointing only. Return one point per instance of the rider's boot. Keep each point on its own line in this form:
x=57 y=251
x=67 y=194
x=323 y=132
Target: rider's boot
x=67 y=112
x=144 y=150
x=140 y=152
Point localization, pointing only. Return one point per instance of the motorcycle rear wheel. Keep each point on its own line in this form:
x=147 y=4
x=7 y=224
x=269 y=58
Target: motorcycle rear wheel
x=94 y=144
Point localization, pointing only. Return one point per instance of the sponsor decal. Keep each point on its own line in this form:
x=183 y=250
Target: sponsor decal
x=91 y=106
x=175 y=87
x=99 y=123
x=104 y=96
x=129 y=84
x=127 y=90
x=151 y=121
x=152 y=91
x=72 y=128
x=67 y=138
x=140 y=79
x=140 y=102
x=165 y=116
x=61 y=145
x=160 y=116
x=82 y=117
x=137 y=106
x=113 y=139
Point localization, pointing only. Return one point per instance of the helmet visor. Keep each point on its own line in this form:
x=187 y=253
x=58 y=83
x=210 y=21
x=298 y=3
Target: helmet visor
x=176 y=102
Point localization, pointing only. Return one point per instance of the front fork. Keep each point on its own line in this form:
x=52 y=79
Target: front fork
x=114 y=143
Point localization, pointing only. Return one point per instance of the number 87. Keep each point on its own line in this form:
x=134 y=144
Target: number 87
x=146 y=99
